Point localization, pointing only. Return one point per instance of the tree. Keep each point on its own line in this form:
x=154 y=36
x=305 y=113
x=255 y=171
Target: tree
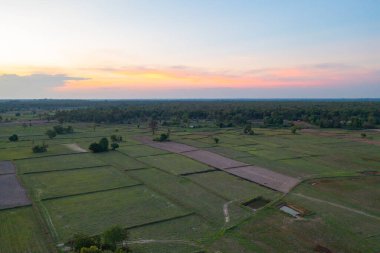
x=13 y=138
x=104 y=144
x=162 y=137
x=116 y=138
x=51 y=133
x=58 y=129
x=153 y=125
x=39 y=148
x=113 y=236
x=294 y=129
x=95 y=147
x=216 y=140
x=114 y=146
x=248 y=130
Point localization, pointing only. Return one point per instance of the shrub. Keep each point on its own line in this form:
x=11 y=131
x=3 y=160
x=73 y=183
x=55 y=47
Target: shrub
x=163 y=137
x=248 y=129
x=363 y=135
x=13 y=137
x=39 y=148
x=63 y=130
x=81 y=241
x=216 y=140
x=116 y=138
x=113 y=236
x=114 y=146
x=51 y=133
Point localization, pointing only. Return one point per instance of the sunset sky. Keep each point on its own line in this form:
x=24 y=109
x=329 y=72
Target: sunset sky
x=189 y=49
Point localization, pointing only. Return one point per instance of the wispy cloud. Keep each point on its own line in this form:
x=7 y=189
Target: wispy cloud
x=177 y=77
x=13 y=85
x=128 y=81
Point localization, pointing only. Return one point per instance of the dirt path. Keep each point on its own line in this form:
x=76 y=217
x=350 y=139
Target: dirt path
x=75 y=147
x=225 y=211
x=147 y=241
x=337 y=205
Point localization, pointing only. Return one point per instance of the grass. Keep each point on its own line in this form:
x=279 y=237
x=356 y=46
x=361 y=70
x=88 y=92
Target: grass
x=57 y=163
x=20 y=232
x=355 y=192
x=140 y=150
x=175 y=164
x=26 y=152
x=120 y=160
x=93 y=213
x=191 y=228
x=62 y=183
x=191 y=196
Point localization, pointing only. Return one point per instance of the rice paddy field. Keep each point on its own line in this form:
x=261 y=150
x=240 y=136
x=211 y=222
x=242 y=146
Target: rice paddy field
x=169 y=202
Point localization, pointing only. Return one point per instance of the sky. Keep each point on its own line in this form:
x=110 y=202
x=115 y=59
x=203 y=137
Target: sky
x=131 y=49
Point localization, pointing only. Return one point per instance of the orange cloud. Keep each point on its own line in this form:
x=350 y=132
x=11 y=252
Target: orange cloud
x=140 y=78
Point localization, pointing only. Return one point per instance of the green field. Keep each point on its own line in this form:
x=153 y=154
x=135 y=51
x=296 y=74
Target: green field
x=171 y=203
x=21 y=232
x=52 y=163
x=69 y=182
x=93 y=213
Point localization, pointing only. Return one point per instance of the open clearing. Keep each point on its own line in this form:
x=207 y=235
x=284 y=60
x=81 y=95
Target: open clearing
x=75 y=147
x=265 y=177
x=7 y=167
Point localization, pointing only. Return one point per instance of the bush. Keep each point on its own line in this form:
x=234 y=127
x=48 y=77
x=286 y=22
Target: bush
x=163 y=137
x=91 y=249
x=39 y=148
x=113 y=236
x=81 y=241
x=114 y=146
x=216 y=140
x=51 y=133
x=363 y=135
x=63 y=130
x=116 y=138
x=13 y=137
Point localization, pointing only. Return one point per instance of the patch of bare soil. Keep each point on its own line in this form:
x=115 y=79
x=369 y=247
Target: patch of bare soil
x=265 y=177
x=75 y=147
x=12 y=194
x=7 y=167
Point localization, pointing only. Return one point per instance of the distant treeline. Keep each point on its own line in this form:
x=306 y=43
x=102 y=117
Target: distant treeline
x=224 y=113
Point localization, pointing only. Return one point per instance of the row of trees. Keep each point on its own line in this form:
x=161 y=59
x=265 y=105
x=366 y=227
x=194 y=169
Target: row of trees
x=59 y=129
x=337 y=114
x=112 y=240
x=103 y=144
